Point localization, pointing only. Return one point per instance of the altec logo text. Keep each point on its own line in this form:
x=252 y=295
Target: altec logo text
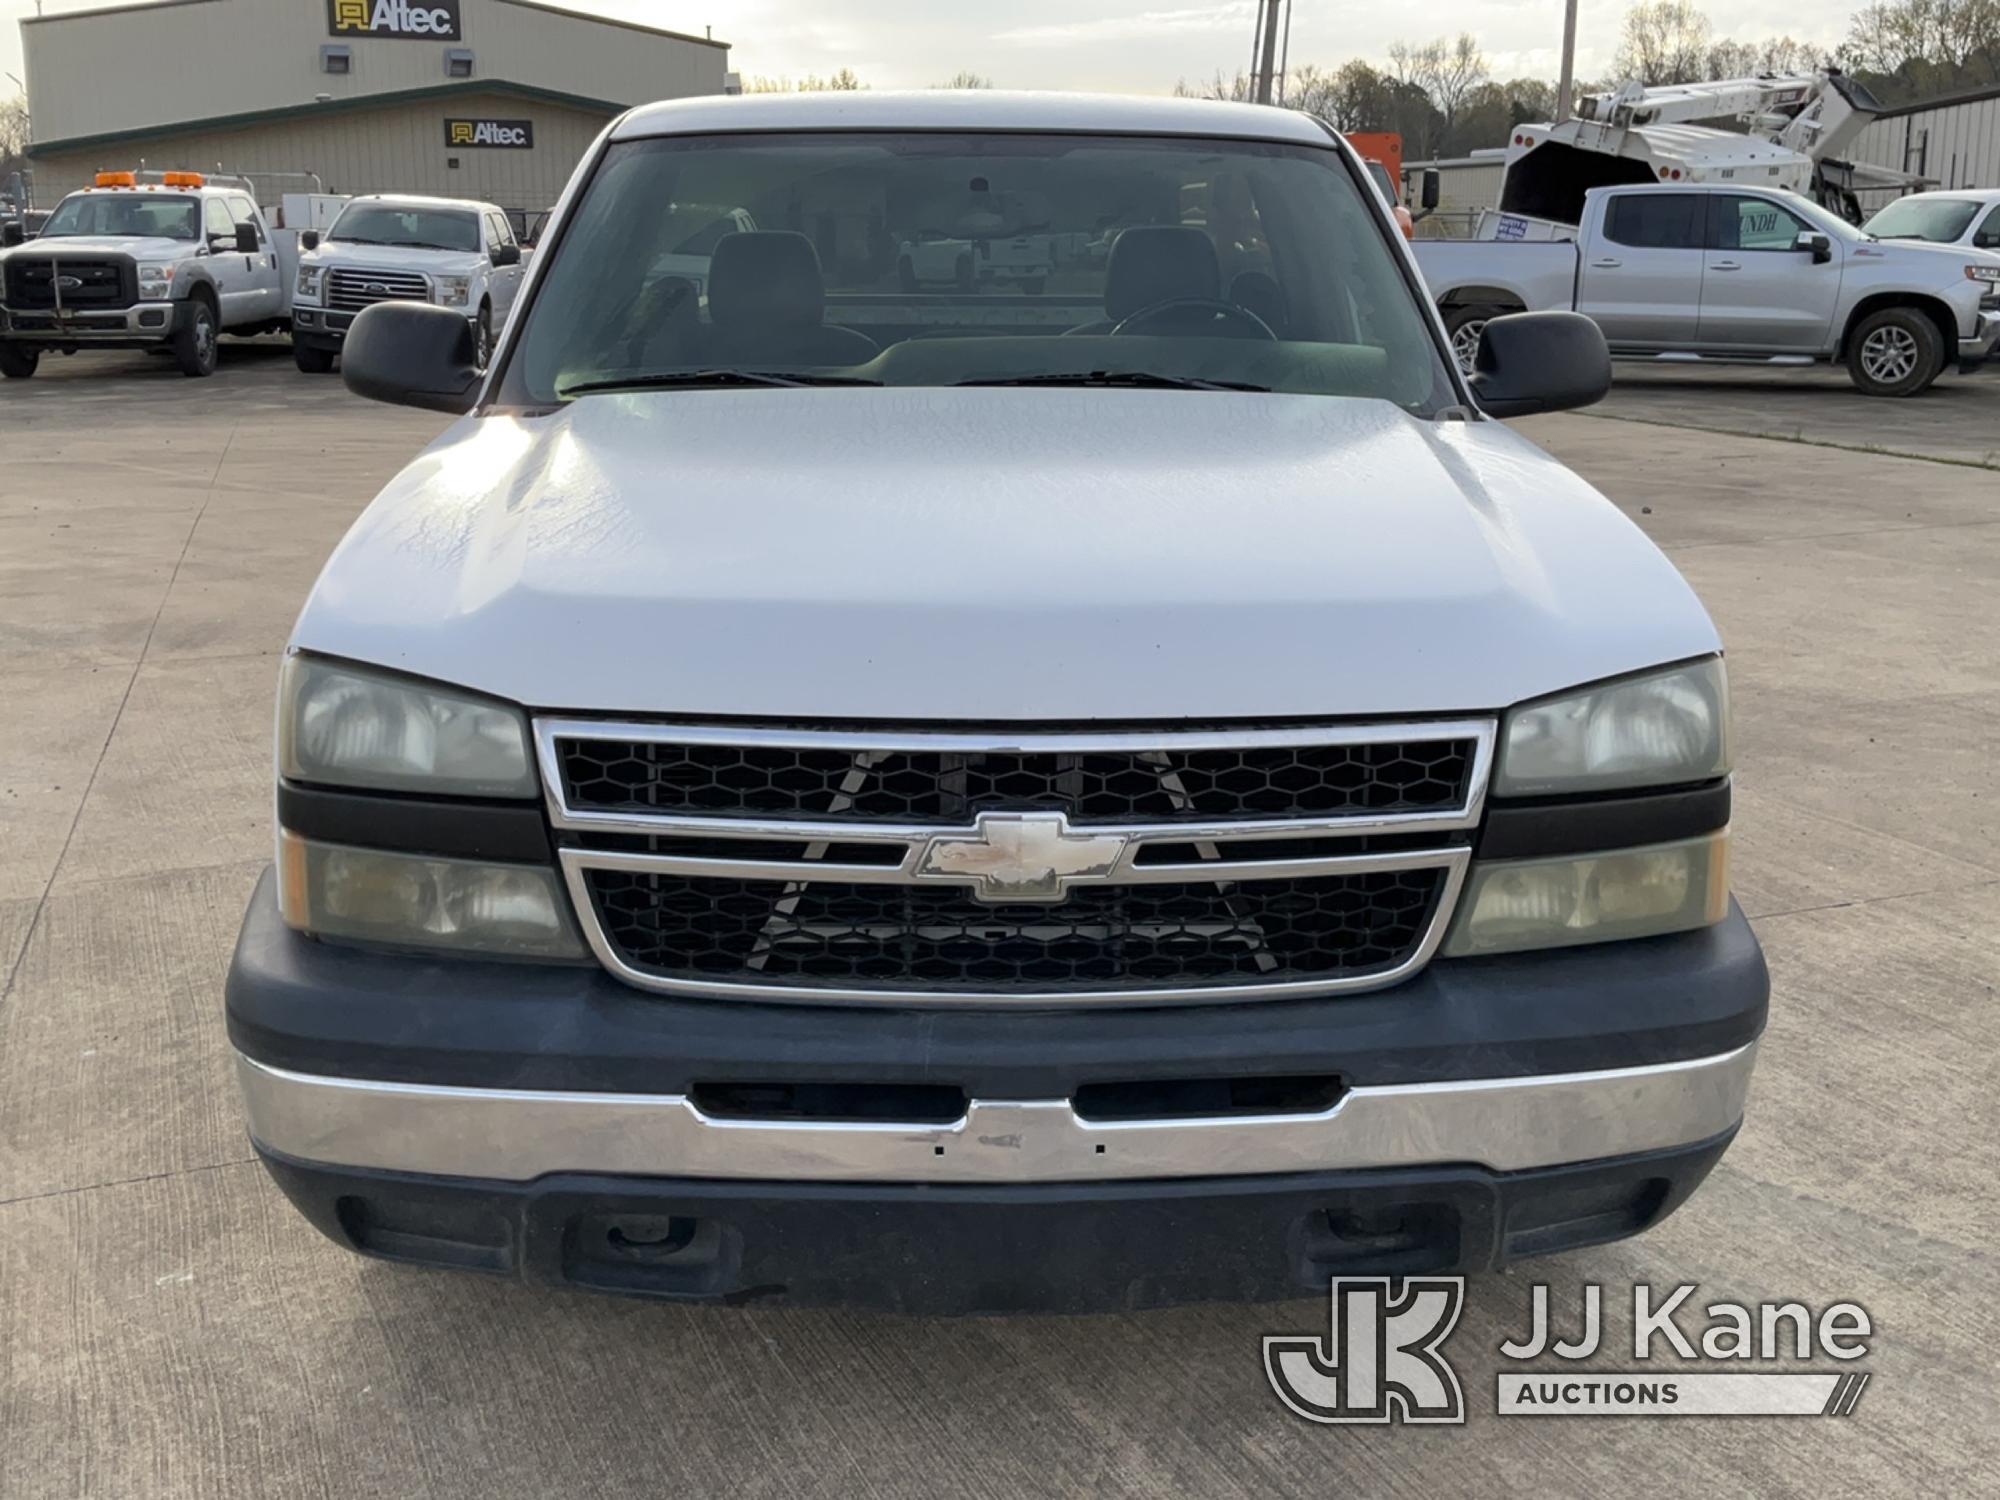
x=429 y=20
x=518 y=135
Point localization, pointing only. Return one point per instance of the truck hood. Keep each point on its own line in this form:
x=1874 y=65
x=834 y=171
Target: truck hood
x=139 y=247
x=995 y=554
x=393 y=258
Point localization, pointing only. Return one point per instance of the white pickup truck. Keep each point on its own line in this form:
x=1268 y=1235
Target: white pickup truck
x=1166 y=798
x=452 y=252
x=1732 y=274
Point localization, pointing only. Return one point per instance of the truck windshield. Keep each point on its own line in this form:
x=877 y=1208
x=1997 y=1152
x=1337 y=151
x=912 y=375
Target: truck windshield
x=931 y=259
x=125 y=213
x=411 y=227
x=1941 y=220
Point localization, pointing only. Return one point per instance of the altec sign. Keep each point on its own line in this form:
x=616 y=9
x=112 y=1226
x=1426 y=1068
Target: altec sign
x=416 y=20
x=518 y=135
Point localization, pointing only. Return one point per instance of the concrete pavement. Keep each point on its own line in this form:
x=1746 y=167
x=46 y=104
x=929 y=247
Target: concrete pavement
x=168 y=1326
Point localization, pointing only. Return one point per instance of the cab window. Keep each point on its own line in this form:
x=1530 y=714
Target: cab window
x=1655 y=221
x=246 y=213
x=215 y=216
x=1744 y=223
x=1987 y=237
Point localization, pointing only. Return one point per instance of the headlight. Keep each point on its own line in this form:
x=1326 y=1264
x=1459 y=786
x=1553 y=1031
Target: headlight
x=156 y=283
x=1657 y=730
x=453 y=290
x=1557 y=903
x=1988 y=274
x=345 y=726
x=309 y=280
x=410 y=901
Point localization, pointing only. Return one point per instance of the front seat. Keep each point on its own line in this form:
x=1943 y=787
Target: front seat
x=1154 y=263
x=766 y=302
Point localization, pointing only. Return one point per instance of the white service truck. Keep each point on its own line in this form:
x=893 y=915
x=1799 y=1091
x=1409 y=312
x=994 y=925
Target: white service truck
x=161 y=261
x=452 y=252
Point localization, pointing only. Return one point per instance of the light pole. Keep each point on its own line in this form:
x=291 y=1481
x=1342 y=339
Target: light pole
x=1566 y=86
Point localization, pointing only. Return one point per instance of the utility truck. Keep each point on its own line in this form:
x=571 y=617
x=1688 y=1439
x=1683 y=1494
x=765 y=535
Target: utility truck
x=161 y=261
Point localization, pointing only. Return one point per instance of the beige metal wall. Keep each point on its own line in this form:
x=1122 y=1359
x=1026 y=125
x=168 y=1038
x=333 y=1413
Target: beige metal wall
x=1957 y=144
x=396 y=148
x=141 y=66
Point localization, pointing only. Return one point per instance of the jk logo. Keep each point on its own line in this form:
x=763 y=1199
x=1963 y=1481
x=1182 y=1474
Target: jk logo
x=1380 y=1361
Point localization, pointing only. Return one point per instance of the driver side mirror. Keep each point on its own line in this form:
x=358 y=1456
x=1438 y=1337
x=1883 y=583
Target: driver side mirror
x=246 y=238
x=1819 y=244
x=412 y=354
x=506 y=255
x=1540 y=361
x=12 y=234
x=309 y=240
x=1429 y=190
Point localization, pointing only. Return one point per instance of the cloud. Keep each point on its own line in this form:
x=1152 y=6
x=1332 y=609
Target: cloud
x=1231 y=14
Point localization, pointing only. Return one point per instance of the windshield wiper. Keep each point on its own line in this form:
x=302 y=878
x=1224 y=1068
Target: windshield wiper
x=686 y=379
x=1138 y=379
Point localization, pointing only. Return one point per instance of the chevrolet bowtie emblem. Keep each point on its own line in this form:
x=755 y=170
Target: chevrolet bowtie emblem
x=1020 y=857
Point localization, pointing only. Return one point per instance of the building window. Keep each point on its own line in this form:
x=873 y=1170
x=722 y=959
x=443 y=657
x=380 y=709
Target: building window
x=334 y=59
x=451 y=163
x=458 y=62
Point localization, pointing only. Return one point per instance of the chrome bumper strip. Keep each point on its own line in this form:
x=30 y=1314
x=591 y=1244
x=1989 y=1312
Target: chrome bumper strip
x=1507 y=1124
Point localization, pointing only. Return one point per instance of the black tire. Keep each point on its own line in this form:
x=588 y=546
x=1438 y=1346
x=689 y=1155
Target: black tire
x=18 y=363
x=1894 y=352
x=312 y=359
x=1464 y=323
x=195 y=341
x=482 y=338
x=906 y=274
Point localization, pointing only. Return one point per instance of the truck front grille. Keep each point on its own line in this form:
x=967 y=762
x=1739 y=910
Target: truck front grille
x=96 y=284
x=900 y=938
x=1121 y=786
x=1009 y=867
x=351 y=290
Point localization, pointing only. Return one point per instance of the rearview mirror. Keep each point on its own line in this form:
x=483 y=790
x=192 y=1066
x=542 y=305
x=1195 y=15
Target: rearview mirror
x=309 y=240
x=412 y=354
x=506 y=255
x=11 y=234
x=246 y=238
x=1429 y=189
x=1540 y=361
x=1819 y=244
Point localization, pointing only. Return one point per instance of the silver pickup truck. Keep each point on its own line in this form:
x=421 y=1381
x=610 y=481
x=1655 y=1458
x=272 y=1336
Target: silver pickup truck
x=1738 y=275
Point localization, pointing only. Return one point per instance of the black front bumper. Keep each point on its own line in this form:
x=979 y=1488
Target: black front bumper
x=945 y=1249
x=313 y=1007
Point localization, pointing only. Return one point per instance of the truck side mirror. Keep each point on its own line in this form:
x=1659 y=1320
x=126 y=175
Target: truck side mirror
x=506 y=255
x=246 y=238
x=11 y=234
x=1819 y=244
x=412 y=354
x=1430 y=188
x=309 y=240
x=1539 y=361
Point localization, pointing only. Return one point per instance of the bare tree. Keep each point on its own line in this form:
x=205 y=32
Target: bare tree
x=1960 y=37
x=1665 y=41
x=1446 y=71
x=840 y=82
x=1218 y=87
x=965 y=78
x=1778 y=54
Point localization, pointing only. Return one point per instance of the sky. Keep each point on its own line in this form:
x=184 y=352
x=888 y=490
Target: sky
x=1125 y=46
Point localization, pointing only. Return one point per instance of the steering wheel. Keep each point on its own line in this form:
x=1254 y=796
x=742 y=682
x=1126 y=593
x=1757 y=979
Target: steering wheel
x=1250 y=325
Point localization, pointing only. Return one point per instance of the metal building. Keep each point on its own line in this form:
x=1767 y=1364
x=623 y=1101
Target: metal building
x=1953 y=139
x=487 y=99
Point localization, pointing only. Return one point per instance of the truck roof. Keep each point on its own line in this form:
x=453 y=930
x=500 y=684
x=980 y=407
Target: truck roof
x=419 y=200
x=970 y=109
